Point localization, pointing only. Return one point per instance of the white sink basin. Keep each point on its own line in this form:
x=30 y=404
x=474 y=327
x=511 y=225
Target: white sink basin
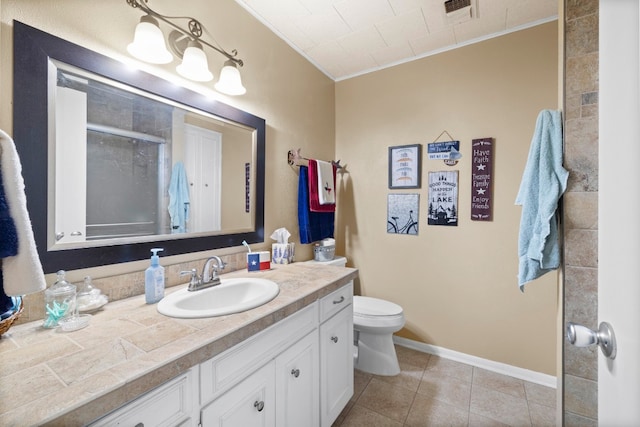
x=231 y=296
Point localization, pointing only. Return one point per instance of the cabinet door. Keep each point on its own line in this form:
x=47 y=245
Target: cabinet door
x=171 y=404
x=336 y=365
x=250 y=403
x=297 y=384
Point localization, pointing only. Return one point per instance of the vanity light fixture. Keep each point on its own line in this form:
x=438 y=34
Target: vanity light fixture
x=149 y=46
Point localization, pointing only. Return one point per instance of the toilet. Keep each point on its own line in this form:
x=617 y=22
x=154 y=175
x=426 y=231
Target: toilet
x=374 y=322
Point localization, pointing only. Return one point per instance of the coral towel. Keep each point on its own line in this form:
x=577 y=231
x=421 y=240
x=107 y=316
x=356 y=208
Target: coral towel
x=22 y=273
x=316 y=189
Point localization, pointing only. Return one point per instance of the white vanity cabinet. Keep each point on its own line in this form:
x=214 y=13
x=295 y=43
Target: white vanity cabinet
x=309 y=355
x=336 y=353
x=297 y=372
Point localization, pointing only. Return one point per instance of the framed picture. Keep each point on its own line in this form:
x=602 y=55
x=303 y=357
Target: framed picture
x=405 y=166
x=403 y=213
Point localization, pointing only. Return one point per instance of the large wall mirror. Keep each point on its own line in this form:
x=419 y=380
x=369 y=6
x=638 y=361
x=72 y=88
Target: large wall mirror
x=117 y=161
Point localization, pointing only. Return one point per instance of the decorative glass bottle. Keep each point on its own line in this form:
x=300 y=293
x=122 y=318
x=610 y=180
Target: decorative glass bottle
x=59 y=301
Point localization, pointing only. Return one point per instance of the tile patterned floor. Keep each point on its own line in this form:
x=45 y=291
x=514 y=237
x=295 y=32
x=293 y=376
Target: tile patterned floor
x=434 y=391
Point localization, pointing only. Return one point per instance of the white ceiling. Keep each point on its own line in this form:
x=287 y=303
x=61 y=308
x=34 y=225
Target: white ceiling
x=346 y=38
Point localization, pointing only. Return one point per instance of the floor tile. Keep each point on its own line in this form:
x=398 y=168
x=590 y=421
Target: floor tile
x=412 y=357
x=498 y=382
x=449 y=390
x=426 y=411
x=500 y=406
x=408 y=378
x=540 y=394
x=542 y=416
x=434 y=391
x=451 y=368
x=391 y=401
x=360 y=416
x=476 y=420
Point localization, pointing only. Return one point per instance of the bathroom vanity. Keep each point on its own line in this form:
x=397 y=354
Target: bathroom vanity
x=286 y=363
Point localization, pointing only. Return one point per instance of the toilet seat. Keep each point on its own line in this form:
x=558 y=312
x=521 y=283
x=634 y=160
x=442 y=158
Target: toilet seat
x=374 y=307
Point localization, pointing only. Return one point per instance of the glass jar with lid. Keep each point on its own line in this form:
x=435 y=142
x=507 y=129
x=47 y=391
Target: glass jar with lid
x=59 y=301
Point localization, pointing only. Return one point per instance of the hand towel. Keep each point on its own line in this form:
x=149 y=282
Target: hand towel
x=313 y=226
x=314 y=193
x=8 y=247
x=8 y=232
x=543 y=182
x=326 y=183
x=178 y=199
x=22 y=272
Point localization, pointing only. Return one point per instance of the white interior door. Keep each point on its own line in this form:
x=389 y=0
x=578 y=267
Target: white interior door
x=619 y=211
x=71 y=158
x=203 y=166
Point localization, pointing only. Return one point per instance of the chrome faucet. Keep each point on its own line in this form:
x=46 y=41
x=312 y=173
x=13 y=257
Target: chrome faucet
x=209 y=276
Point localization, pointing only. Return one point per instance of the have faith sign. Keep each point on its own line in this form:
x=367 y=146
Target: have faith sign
x=481 y=179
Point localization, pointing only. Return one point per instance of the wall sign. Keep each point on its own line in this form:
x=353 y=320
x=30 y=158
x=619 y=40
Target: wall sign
x=402 y=213
x=443 y=198
x=481 y=179
x=405 y=166
x=443 y=150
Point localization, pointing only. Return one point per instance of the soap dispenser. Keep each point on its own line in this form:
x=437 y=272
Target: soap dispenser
x=154 y=279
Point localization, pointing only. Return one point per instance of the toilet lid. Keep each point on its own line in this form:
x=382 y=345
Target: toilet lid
x=369 y=306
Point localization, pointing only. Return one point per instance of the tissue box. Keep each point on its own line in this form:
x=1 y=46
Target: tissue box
x=257 y=261
x=282 y=253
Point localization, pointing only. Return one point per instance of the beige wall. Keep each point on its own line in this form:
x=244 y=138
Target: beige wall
x=295 y=99
x=457 y=285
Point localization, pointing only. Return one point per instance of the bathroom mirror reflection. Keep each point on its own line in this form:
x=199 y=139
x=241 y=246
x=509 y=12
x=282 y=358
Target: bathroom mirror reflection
x=99 y=143
x=162 y=161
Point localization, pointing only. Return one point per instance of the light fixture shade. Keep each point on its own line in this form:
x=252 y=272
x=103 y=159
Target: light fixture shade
x=230 y=82
x=194 y=64
x=148 y=42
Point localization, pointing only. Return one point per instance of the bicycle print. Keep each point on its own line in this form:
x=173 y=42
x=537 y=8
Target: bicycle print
x=402 y=214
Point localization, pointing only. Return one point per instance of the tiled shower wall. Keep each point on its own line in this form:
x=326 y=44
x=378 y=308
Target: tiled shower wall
x=580 y=206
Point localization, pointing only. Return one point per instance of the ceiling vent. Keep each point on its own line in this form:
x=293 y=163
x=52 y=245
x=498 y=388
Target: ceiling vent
x=459 y=11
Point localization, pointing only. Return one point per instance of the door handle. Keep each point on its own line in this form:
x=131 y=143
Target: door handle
x=581 y=336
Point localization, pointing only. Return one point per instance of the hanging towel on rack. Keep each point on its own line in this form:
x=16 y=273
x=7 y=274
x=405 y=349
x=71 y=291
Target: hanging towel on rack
x=179 y=199
x=22 y=273
x=326 y=183
x=314 y=226
x=543 y=182
x=315 y=204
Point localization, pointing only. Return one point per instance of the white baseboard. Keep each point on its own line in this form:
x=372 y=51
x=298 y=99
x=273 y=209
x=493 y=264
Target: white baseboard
x=489 y=365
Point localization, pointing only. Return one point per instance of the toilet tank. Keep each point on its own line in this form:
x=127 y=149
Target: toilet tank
x=339 y=261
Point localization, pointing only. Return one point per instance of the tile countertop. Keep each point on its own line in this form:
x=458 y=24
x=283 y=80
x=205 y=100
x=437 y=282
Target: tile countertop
x=72 y=378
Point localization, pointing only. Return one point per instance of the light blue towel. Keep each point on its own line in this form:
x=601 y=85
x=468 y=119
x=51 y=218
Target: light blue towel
x=178 y=199
x=543 y=182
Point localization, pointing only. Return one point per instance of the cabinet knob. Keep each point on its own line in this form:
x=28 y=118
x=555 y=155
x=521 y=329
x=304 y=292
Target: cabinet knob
x=76 y=233
x=139 y=425
x=339 y=300
x=259 y=405
x=295 y=372
x=334 y=338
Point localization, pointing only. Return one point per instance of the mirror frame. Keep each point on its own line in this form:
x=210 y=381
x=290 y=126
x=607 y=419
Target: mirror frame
x=32 y=49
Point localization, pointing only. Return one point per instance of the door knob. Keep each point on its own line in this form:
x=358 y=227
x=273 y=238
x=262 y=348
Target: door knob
x=581 y=336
